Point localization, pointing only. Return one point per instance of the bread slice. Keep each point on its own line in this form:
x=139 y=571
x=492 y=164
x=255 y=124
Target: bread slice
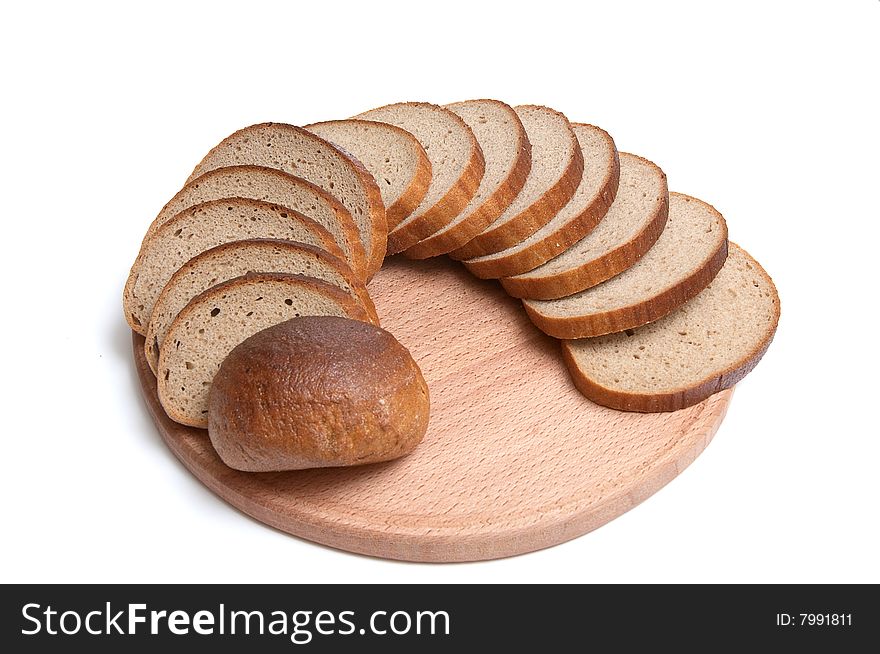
x=276 y=187
x=456 y=167
x=238 y=258
x=686 y=257
x=393 y=156
x=557 y=168
x=508 y=160
x=214 y=322
x=201 y=228
x=631 y=226
x=301 y=153
x=707 y=345
x=575 y=220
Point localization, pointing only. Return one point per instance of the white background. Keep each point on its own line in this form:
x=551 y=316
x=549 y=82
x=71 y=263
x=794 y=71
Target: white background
x=768 y=110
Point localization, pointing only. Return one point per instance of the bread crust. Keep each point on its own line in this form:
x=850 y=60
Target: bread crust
x=352 y=308
x=151 y=345
x=378 y=221
x=493 y=206
x=536 y=215
x=415 y=191
x=453 y=201
x=591 y=273
x=567 y=235
x=682 y=397
x=378 y=224
x=640 y=313
x=327 y=241
x=317 y=392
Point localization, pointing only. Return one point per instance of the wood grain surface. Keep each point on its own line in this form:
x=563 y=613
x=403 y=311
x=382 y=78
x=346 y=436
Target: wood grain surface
x=515 y=458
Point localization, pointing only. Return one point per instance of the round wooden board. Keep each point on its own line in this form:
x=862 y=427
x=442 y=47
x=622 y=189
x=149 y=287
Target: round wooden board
x=515 y=458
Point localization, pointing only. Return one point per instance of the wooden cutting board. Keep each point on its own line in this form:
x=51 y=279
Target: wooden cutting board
x=515 y=459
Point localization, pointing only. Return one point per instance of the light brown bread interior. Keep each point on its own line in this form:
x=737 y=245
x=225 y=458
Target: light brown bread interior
x=393 y=156
x=301 y=153
x=213 y=323
x=685 y=258
x=508 y=158
x=276 y=187
x=457 y=166
x=238 y=258
x=707 y=345
x=632 y=224
x=203 y=227
x=575 y=220
x=557 y=167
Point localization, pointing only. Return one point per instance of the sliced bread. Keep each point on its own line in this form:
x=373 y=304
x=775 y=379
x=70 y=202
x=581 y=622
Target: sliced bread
x=686 y=257
x=575 y=220
x=557 y=168
x=301 y=153
x=276 y=187
x=631 y=226
x=456 y=167
x=316 y=392
x=393 y=156
x=508 y=158
x=707 y=345
x=214 y=322
x=238 y=258
x=203 y=227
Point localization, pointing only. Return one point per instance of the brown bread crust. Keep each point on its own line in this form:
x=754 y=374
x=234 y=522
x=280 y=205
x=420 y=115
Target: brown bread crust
x=378 y=224
x=448 y=240
x=317 y=392
x=556 y=242
x=151 y=349
x=378 y=221
x=681 y=397
x=636 y=315
x=530 y=220
x=632 y=316
x=412 y=196
x=352 y=308
x=591 y=273
x=451 y=204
